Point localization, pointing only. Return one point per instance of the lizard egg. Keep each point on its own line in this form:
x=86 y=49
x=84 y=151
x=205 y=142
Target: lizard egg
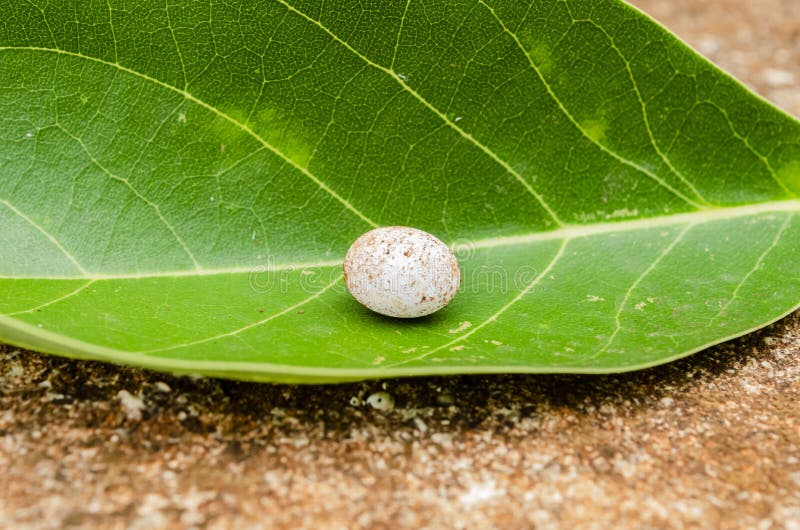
x=401 y=272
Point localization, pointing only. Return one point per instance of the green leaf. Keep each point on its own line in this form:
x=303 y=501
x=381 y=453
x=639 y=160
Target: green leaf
x=180 y=181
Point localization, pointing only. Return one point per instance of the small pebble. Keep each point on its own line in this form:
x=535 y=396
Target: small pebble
x=161 y=386
x=133 y=405
x=381 y=401
x=776 y=77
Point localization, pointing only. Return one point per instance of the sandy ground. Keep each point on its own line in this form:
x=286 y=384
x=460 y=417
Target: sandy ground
x=709 y=441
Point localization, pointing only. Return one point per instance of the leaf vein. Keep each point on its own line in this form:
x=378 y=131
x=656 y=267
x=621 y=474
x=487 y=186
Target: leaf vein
x=59 y=299
x=744 y=139
x=399 y=33
x=190 y=97
x=645 y=117
x=393 y=75
x=757 y=266
x=239 y=330
x=177 y=46
x=46 y=234
x=528 y=288
x=567 y=232
x=578 y=126
x=623 y=305
x=155 y=207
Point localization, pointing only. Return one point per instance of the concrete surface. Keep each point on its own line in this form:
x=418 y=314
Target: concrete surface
x=707 y=442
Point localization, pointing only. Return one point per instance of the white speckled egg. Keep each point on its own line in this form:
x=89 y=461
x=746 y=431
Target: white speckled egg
x=401 y=272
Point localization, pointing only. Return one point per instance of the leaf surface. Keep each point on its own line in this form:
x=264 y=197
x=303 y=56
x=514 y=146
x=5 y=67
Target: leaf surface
x=180 y=181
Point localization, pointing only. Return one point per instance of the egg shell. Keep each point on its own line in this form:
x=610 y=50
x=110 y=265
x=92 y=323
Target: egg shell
x=401 y=272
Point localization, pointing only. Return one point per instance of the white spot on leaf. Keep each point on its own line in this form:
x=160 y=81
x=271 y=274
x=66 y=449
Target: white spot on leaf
x=644 y=303
x=622 y=212
x=463 y=326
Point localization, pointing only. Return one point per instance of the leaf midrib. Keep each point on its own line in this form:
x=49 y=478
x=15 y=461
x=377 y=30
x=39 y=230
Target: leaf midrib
x=565 y=233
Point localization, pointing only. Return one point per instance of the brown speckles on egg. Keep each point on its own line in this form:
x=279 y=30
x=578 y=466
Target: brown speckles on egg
x=401 y=272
